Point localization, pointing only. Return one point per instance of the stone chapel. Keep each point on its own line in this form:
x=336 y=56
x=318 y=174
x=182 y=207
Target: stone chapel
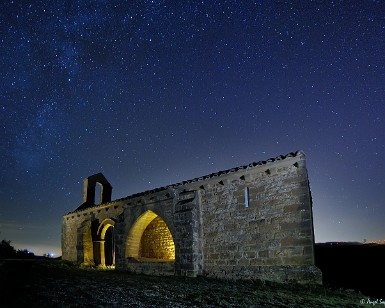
x=248 y=222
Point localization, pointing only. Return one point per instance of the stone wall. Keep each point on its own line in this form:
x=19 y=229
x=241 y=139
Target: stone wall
x=257 y=220
x=156 y=241
x=77 y=238
x=188 y=233
x=251 y=222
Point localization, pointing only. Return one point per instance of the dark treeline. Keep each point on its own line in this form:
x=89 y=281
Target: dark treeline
x=7 y=251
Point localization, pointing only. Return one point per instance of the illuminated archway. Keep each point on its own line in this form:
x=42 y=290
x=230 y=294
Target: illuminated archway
x=150 y=238
x=106 y=249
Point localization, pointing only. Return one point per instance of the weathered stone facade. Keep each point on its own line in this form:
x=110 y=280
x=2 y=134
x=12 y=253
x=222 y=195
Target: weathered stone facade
x=250 y=222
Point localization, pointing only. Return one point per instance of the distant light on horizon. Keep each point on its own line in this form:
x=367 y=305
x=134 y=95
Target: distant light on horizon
x=38 y=250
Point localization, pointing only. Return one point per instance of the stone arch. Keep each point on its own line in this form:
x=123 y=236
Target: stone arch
x=104 y=225
x=150 y=238
x=105 y=243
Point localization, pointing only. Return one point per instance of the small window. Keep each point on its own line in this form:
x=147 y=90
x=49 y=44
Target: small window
x=246 y=196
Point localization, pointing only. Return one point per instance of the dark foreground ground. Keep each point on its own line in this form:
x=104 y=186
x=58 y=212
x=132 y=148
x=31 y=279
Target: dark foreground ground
x=360 y=267
x=54 y=283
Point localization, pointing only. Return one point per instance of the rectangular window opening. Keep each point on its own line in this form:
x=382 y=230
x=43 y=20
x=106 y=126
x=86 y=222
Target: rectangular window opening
x=246 y=196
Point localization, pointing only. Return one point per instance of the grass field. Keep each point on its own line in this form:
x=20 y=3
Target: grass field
x=54 y=283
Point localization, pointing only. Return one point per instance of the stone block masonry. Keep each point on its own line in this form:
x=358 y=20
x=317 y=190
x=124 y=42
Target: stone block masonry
x=249 y=222
x=156 y=241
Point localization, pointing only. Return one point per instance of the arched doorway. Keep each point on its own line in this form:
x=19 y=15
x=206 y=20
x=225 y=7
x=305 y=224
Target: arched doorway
x=109 y=251
x=105 y=244
x=150 y=239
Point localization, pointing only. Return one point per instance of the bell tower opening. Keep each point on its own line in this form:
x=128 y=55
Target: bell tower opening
x=96 y=190
x=98 y=193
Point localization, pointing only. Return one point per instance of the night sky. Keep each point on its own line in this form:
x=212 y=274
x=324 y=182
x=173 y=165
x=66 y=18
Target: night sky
x=152 y=93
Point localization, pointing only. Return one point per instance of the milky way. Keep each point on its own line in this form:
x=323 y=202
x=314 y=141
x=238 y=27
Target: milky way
x=152 y=93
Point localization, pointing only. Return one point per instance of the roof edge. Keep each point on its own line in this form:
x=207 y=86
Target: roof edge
x=298 y=153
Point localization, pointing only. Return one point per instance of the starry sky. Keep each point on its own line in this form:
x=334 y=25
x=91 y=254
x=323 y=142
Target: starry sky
x=152 y=93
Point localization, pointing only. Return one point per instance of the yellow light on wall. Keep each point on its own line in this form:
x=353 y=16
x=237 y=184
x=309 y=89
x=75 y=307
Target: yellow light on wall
x=88 y=250
x=157 y=242
x=150 y=238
